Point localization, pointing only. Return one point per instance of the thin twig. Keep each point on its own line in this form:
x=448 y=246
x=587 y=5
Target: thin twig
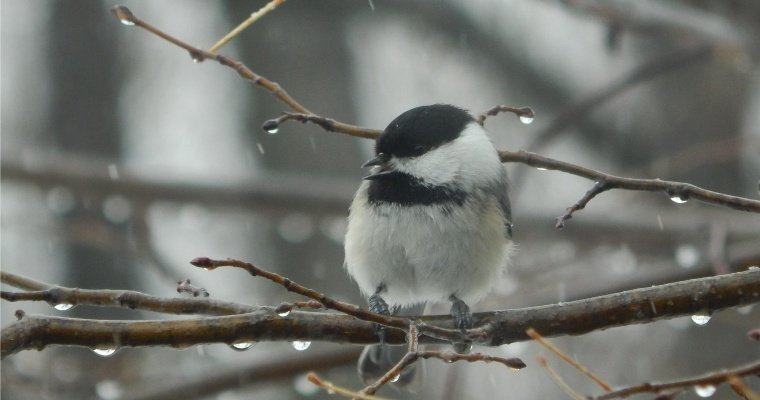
x=741 y=389
x=56 y=295
x=245 y=24
x=558 y=379
x=350 y=309
x=715 y=378
x=675 y=190
x=525 y=114
x=333 y=388
x=498 y=327
x=559 y=353
x=185 y=286
x=446 y=356
x=23 y=282
x=126 y=16
x=598 y=188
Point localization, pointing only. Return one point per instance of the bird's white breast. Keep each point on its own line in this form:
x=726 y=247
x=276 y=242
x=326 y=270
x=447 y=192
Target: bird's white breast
x=426 y=253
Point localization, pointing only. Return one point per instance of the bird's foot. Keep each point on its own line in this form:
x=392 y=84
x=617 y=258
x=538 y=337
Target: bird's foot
x=379 y=306
x=462 y=316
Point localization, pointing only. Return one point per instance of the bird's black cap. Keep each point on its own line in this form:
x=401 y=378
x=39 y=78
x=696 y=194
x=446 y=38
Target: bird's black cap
x=421 y=129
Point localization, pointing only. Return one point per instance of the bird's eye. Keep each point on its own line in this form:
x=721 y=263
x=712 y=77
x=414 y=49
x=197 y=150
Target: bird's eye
x=419 y=149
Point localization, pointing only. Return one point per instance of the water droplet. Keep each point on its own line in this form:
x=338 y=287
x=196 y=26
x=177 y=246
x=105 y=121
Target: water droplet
x=678 y=199
x=372 y=5
x=242 y=346
x=61 y=200
x=105 y=351
x=304 y=386
x=109 y=390
x=542 y=169
x=334 y=227
x=526 y=119
x=260 y=147
x=284 y=313
x=271 y=126
x=127 y=22
x=701 y=318
x=704 y=390
x=113 y=172
x=117 y=209
x=63 y=306
x=301 y=346
x=296 y=228
x=623 y=260
x=687 y=256
x=659 y=223
x=395 y=378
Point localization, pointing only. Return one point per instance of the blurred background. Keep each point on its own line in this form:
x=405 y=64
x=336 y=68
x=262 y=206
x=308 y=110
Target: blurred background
x=122 y=160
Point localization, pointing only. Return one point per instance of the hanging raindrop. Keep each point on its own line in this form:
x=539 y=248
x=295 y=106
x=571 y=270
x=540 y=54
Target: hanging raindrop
x=678 y=199
x=704 y=390
x=284 y=313
x=526 y=119
x=109 y=390
x=701 y=318
x=301 y=346
x=63 y=306
x=242 y=346
x=105 y=351
x=271 y=126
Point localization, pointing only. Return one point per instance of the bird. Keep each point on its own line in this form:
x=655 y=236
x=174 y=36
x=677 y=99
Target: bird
x=431 y=223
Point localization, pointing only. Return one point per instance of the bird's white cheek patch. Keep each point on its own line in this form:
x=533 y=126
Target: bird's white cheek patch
x=436 y=167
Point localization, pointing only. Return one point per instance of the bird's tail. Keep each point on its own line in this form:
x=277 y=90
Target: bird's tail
x=377 y=359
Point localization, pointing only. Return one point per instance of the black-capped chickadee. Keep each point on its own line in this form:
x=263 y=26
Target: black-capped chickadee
x=432 y=221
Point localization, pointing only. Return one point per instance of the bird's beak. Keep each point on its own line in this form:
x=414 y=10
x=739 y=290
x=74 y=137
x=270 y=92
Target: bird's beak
x=380 y=161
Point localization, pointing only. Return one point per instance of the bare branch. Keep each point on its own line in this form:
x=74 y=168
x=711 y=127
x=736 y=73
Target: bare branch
x=679 y=192
x=328 y=124
x=333 y=388
x=185 y=286
x=525 y=114
x=561 y=354
x=675 y=190
x=598 y=188
x=711 y=379
x=350 y=309
x=245 y=24
x=569 y=391
x=494 y=328
x=59 y=295
x=128 y=18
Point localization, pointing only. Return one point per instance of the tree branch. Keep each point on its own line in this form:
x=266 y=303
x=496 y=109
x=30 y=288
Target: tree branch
x=679 y=192
x=494 y=328
x=711 y=379
x=675 y=190
x=128 y=18
x=346 y=308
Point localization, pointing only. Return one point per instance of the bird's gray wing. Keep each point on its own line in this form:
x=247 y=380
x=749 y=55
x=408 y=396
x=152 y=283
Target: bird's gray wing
x=502 y=194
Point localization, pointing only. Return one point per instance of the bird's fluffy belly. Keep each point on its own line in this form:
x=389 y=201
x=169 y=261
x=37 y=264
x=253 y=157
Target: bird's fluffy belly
x=423 y=253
